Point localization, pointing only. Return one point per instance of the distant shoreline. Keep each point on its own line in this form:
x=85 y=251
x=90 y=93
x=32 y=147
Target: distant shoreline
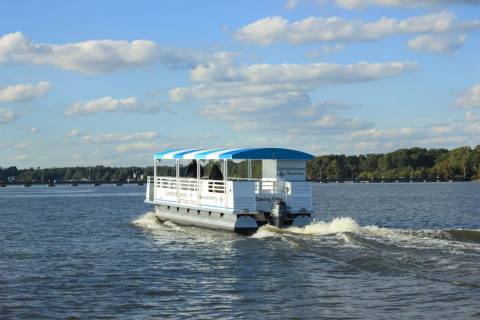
x=73 y=183
x=393 y=182
x=139 y=183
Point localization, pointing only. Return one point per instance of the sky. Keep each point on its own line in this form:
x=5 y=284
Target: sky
x=111 y=82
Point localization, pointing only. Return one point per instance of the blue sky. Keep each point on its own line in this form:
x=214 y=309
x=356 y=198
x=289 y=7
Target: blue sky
x=110 y=82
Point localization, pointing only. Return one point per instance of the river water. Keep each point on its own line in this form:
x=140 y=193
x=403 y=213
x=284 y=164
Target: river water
x=376 y=251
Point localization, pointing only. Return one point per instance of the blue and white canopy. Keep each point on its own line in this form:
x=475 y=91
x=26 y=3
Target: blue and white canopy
x=254 y=154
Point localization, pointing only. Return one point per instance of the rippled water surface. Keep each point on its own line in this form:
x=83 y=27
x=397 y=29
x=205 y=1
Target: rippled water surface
x=391 y=251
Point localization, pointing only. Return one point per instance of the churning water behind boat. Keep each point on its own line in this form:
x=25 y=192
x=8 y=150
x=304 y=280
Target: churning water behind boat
x=465 y=235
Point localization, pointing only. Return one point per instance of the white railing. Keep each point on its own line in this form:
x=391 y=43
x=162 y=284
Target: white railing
x=270 y=187
x=191 y=191
x=190 y=184
x=166 y=183
x=233 y=195
x=297 y=195
x=213 y=186
x=261 y=186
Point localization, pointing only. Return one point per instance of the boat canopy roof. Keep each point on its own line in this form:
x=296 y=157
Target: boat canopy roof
x=254 y=154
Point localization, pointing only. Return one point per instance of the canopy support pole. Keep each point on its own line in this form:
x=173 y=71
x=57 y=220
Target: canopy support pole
x=177 y=174
x=225 y=182
x=155 y=161
x=249 y=169
x=198 y=181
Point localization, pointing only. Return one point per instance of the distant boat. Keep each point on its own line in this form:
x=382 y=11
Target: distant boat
x=140 y=183
x=74 y=184
x=50 y=184
x=119 y=184
x=27 y=185
x=97 y=184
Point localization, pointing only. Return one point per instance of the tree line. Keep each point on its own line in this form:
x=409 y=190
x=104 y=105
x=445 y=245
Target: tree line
x=98 y=174
x=415 y=163
x=404 y=164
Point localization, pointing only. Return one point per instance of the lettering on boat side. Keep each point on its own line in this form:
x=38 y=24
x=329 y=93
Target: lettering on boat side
x=290 y=171
x=191 y=202
x=212 y=198
x=267 y=199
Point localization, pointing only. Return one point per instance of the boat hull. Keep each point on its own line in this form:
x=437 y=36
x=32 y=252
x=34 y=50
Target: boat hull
x=241 y=224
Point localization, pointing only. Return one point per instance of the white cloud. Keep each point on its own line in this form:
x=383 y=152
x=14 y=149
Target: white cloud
x=286 y=112
x=93 y=56
x=440 y=135
x=6 y=115
x=264 y=31
x=22 y=145
x=443 y=129
x=325 y=49
x=264 y=79
x=437 y=43
x=354 y=140
x=72 y=133
x=274 y=99
x=145 y=148
x=471 y=117
x=24 y=92
x=359 y=4
x=19 y=158
x=16 y=145
x=269 y=98
x=34 y=130
x=220 y=68
x=471 y=98
x=315 y=29
x=386 y=134
x=291 y=4
x=138 y=146
x=334 y=120
x=117 y=137
x=109 y=104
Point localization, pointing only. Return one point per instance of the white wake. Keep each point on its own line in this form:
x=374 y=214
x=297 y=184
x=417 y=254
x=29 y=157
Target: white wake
x=346 y=227
x=147 y=221
x=150 y=221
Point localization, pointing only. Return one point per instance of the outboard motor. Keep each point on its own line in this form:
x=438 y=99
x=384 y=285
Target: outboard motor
x=279 y=213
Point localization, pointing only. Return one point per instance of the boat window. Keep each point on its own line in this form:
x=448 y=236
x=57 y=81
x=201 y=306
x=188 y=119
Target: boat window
x=256 y=169
x=166 y=168
x=212 y=169
x=188 y=168
x=237 y=169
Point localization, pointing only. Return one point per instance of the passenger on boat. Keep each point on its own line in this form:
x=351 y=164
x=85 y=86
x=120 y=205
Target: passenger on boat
x=215 y=173
x=192 y=170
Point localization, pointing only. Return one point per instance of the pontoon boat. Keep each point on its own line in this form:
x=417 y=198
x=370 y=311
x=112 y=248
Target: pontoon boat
x=231 y=189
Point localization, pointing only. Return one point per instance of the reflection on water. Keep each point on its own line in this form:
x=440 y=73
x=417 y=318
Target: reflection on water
x=374 y=251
